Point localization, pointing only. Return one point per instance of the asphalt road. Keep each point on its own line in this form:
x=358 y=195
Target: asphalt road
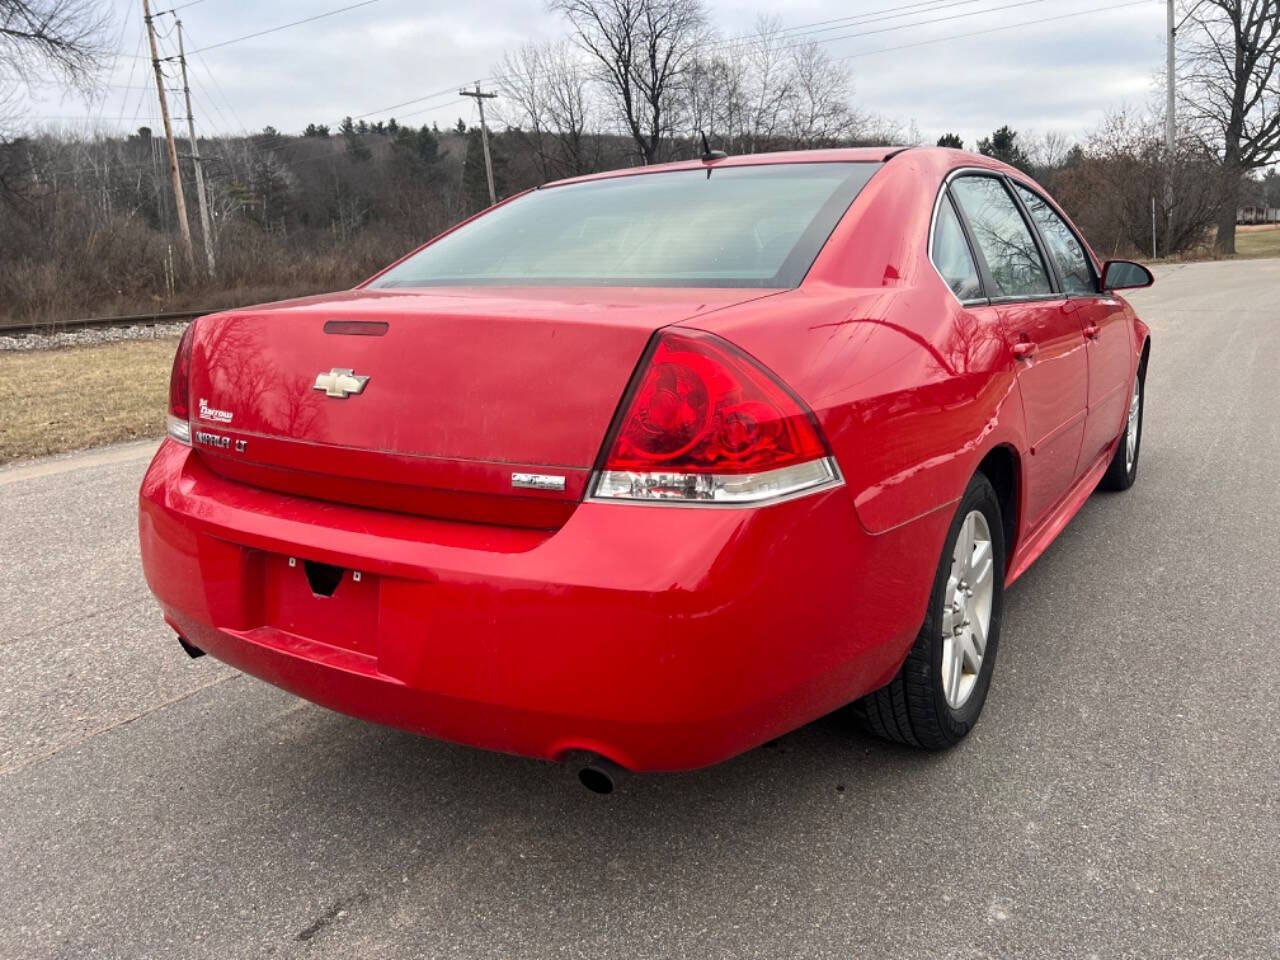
x=1119 y=798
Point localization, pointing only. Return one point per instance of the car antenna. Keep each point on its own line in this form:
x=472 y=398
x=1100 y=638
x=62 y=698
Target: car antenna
x=709 y=155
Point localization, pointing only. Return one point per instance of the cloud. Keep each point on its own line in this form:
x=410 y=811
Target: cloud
x=1058 y=76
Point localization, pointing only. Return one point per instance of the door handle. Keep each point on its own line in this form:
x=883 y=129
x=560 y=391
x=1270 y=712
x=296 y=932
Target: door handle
x=1023 y=349
x=1092 y=331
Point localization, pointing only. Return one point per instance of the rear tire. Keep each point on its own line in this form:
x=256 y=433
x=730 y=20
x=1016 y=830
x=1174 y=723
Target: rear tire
x=1123 y=469
x=936 y=698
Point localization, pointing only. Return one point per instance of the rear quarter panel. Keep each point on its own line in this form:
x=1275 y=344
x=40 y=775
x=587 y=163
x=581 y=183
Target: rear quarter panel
x=912 y=390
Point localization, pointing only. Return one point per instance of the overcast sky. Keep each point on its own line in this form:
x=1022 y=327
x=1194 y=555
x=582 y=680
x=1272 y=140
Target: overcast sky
x=1051 y=76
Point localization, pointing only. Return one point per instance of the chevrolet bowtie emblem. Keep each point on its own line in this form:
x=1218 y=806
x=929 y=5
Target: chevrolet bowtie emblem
x=340 y=382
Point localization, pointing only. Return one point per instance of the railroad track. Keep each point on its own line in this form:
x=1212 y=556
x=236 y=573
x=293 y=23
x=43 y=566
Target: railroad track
x=88 y=323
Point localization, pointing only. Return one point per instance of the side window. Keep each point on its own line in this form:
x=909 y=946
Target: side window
x=1072 y=261
x=952 y=256
x=1003 y=237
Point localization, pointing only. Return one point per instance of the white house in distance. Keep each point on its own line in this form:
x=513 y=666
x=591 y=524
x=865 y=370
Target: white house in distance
x=1258 y=215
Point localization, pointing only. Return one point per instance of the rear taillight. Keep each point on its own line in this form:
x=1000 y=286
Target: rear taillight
x=706 y=424
x=180 y=390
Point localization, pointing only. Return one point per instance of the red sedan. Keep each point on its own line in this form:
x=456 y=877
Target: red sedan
x=647 y=468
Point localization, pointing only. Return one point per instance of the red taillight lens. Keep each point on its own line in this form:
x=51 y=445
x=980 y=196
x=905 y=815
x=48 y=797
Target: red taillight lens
x=703 y=414
x=180 y=389
x=704 y=407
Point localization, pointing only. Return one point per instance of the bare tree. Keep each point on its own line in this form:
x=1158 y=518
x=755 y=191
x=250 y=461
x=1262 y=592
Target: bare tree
x=765 y=91
x=643 y=48
x=547 y=89
x=741 y=91
x=820 y=113
x=706 y=86
x=1048 y=151
x=1230 y=91
x=61 y=36
x=717 y=98
x=772 y=84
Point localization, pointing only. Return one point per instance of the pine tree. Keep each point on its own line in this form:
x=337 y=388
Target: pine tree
x=428 y=146
x=356 y=148
x=419 y=144
x=951 y=140
x=1002 y=145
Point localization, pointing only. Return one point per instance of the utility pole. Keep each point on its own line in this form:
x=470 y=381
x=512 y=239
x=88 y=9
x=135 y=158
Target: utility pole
x=178 y=199
x=1170 y=116
x=1155 y=250
x=480 y=98
x=206 y=226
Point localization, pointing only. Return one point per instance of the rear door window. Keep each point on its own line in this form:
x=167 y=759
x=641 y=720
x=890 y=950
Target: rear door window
x=952 y=256
x=1003 y=236
x=1068 y=254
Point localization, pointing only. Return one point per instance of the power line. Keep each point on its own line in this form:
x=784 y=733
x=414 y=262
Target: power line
x=213 y=79
x=365 y=3
x=1007 y=26
x=286 y=26
x=837 y=23
x=449 y=92
x=789 y=33
x=500 y=78
x=124 y=26
x=446 y=91
x=927 y=23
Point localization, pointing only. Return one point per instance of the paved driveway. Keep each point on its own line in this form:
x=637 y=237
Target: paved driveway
x=1119 y=798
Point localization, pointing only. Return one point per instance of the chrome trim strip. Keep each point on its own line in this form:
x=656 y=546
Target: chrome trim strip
x=538 y=481
x=937 y=205
x=1030 y=298
x=933 y=225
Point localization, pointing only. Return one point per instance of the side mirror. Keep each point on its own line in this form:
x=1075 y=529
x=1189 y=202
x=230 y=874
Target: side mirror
x=1125 y=275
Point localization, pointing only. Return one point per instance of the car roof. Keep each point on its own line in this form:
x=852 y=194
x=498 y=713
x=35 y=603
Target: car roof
x=837 y=155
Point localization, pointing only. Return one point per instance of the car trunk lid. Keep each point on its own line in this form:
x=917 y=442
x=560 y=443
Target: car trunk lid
x=478 y=404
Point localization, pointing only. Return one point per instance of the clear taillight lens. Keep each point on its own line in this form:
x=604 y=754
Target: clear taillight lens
x=706 y=424
x=179 y=421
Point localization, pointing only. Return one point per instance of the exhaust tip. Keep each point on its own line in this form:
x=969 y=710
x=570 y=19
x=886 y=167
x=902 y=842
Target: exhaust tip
x=191 y=649
x=596 y=779
x=597 y=773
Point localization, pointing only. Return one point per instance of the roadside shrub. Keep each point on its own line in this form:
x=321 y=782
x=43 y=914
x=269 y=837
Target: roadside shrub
x=1109 y=186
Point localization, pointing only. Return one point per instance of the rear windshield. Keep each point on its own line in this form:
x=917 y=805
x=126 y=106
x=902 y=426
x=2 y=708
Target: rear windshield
x=756 y=226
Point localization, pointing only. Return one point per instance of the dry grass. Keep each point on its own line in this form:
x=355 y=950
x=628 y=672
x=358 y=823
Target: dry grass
x=52 y=401
x=1253 y=242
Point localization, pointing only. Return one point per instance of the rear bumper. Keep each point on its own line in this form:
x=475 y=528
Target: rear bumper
x=661 y=638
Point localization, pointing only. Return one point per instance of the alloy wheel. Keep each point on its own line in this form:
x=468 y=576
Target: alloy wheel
x=966 y=612
x=1131 y=429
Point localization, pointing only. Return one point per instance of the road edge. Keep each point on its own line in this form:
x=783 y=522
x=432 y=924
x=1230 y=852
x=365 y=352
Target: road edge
x=81 y=460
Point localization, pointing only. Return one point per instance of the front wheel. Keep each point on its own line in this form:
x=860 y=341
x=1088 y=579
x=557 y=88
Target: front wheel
x=936 y=698
x=1123 y=469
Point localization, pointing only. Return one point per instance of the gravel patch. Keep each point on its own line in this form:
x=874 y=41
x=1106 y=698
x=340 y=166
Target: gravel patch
x=92 y=335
